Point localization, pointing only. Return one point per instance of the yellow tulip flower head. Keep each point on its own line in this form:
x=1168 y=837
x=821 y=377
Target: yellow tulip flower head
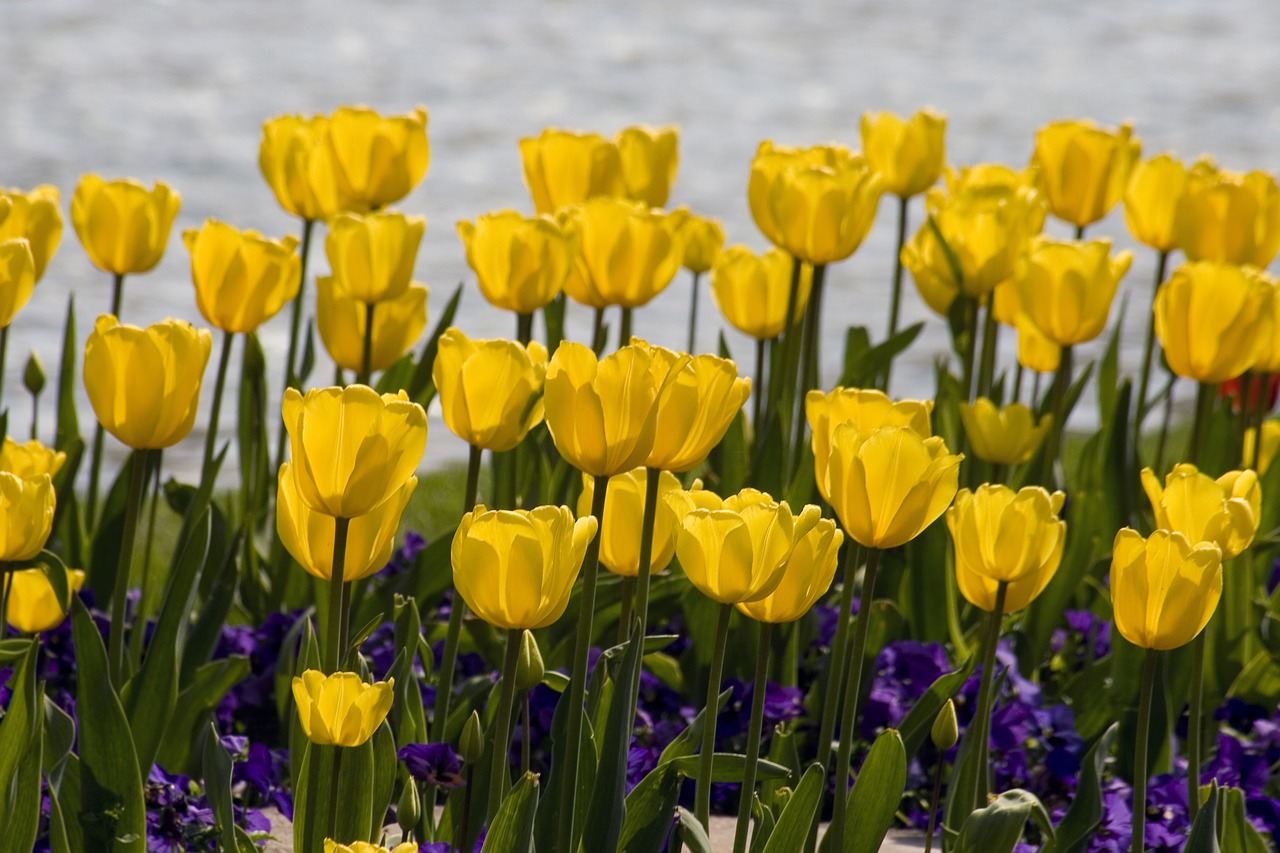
x=516 y=568
x=242 y=278
x=35 y=217
x=752 y=290
x=563 y=167
x=623 y=514
x=1003 y=535
x=1266 y=355
x=30 y=459
x=649 y=157
x=33 y=606
x=888 y=484
x=490 y=391
x=767 y=168
x=627 y=253
x=376 y=160
x=1084 y=169
x=372 y=256
x=1163 y=589
x=1065 y=287
x=1024 y=183
x=806 y=578
x=294 y=159
x=17 y=278
x=1151 y=202
x=1208 y=317
x=352 y=448
x=1229 y=217
x=340 y=709
x=331 y=846
x=907 y=153
x=520 y=261
x=144 y=384
x=1266 y=453
x=123 y=226
x=1035 y=350
x=823 y=212
x=343 y=322
x=865 y=408
x=703 y=240
x=26 y=515
x=1004 y=436
x=308 y=535
x=1223 y=511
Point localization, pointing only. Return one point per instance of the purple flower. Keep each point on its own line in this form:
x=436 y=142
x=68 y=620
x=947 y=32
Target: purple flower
x=433 y=763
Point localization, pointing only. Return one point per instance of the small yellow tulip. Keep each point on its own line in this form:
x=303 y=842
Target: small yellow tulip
x=767 y=167
x=562 y=167
x=242 y=278
x=1223 y=511
x=1003 y=535
x=294 y=159
x=490 y=391
x=807 y=577
x=17 y=278
x=351 y=448
x=26 y=515
x=703 y=240
x=627 y=253
x=342 y=323
x=1004 y=436
x=1084 y=169
x=516 y=568
x=1065 y=287
x=1208 y=317
x=1230 y=217
x=331 y=846
x=865 y=408
x=1266 y=453
x=33 y=607
x=1023 y=183
x=376 y=160
x=908 y=153
x=340 y=709
x=372 y=256
x=1163 y=589
x=144 y=384
x=35 y=216
x=520 y=262
x=623 y=514
x=649 y=158
x=30 y=459
x=752 y=290
x=1151 y=202
x=123 y=226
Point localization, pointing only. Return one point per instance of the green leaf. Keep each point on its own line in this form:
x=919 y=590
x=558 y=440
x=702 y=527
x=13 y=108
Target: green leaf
x=216 y=769
x=59 y=737
x=1204 y=830
x=649 y=808
x=21 y=748
x=791 y=832
x=181 y=736
x=383 y=783
x=1075 y=830
x=730 y=767
x=512 y=829
x=1235 y=833
x=687 y=742
x=876 y=794
x=998 y=827
x=691 y=831
x=919 y=720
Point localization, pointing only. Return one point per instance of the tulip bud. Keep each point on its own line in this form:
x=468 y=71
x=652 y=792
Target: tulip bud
x=30 y=459
x=33 y=607
x=627 y=253
x=1065 y=287
x=752 y=290
x=649 y=158
x=295 y=162
x=908 y=154
x=1267 y=452
x=33 y=375
x=781 y=797
x=1208 y=317
x=408 y=807
x=562 y=167
x=702 y=238
x=1084 y=169
x=529 y=666
x=376 y=160
x=946 y=729
x=1004 y=436
x=1224 y=511
x=241 y=278
x=520 y=262
x=471 y=744
x=1151 y=202
x=490 y=391
x=35 y=217
x=123 y=226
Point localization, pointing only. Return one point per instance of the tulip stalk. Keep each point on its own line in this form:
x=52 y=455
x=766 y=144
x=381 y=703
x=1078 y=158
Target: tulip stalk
x=133 y=506
x=982 y=716
x=335 y=638
x=524 y=329
x=1200 y=425
x=895 y=303
x=990 y=343
x=334 y=775
x=1139 y=816
x=366 y=352
x=7 y=571
x=839 y=651
x=598 y=332
x=791 y=336
x=754 y=736
x=211 y=439
x=706 y=757
x=809 y=368
x=624 y=327
x=4 y=349
x=1195 y=714
x=295 y=329
x=135 y=641
x=758 y=392
x=1061 y=380
x=499 y=772
x=970 y=345
x=1148 y=351
x=693 y=314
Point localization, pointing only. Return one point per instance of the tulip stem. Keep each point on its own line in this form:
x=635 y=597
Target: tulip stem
x=333 y=793
x=982 y=717
x=624 y=612
x=117 y=293
x=333 y=638
x=938 y=771
x=1200 y=426
x=366 y=352
x=4 y=349
x=970 y=345
x=95 y=471
x=812 y=332
x=4 y=600
x=1017 y=383
x=598 y=331
x=464 y=825
x=653 y=478
x=499 y=773
x=853 y=686
x=137 y=488
x=791 y=336
x=135 y=641
x=754 y=736
x=693 y=314
x=990 y=343
x=839 y=651
x=702 y=794
x=1148 y=352
x=1137 y=844
x=758 y=391
x=624 y=328
x=295 y=329
x=526 y=732
x=1195 y=713
x=219 y=385
x=1059 y=394
x=1166 y=420
x=524 y=329
x=896 y=301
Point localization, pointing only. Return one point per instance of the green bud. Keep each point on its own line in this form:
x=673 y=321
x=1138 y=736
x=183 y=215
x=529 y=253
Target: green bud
x=409 y=808
x=946 y=730
x=529 y=668
x=471 y=744
x=33 y=375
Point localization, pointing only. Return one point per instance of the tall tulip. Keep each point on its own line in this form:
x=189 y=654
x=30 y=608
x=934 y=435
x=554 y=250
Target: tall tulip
x=1230 y=217
x=1084 y=169
x=377 y=160
x=649 y=157
x=563 y=167
x=520 y=262
x=35 y=217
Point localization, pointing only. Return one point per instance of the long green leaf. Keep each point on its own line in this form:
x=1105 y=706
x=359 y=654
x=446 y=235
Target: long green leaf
x=730 y=767
x=695 y=837
x=59 y=737
x=792 y=829
x=1204 y=830
x=998 y=827
x=216 y=769
x=649 y=809
x=21 y=748
x=876 y=794
x=512 y=829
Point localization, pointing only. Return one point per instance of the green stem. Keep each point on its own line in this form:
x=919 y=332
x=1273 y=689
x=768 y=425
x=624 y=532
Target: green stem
x=933 y=801
x=1017 y=383
x=792 y=334
x=95 y=472
x=624 y=614
x=366 y=352
x=4 y=601
x=702 y=793
x=1195 y=714
x=896 y=303
x=295 y=331
x=982 y=717
x=135 y=641
x=624 y=328
x=653 y=478
x=598 y=331
x=1200 y=426
x=333 y=794
x=4 y=349
x=499 y=773
x=464 y=825
x=1079 y=232
x=754 y=736
x=693 y=314
x=809 y=368
x=1166 y=420
x=990 y=342
x=137 y=489
x=35 y=411
x=1148 y=351
x=970 y=345
x=1138 y=840
x=524 y=329
x=839 y=651
x=1061 y=381
x=219 y=385
x=526 y=732
x=758 y=392
x=337 y=580
x=117 y=293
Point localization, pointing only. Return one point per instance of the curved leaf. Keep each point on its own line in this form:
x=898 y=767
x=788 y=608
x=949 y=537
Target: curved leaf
x=876 y=794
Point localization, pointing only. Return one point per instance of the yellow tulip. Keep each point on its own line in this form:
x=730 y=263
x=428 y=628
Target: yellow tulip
x=372 y=256
x=1084 y=169
x=1208 y=317
x=627 y=253
x=1004 y=436
x=376 y=160
x=767 y=167
x=516 y=568
x=242 y=278
x=562 y=167
x=340 y=709
x=490 y=391
x=26 y=515
x=123 y=226
x=649 y=157
x=1230 y=217
x=1223 y=511
x=30 y=459
x=908 y=153
x=752 y=290
x=33 y=607
x=1163 y=589
x=35 y=216
x=341 y=320
x=1035 y=350
x=1024 y=183
x=888 y=484
x=865 y=408
x=520 y=262
x=144 y=384
x=352 y=448
x=1266 y=354
x=308 y=535
x=623 y=514
x=807 y=577
x=1003 y=535
x=1065 y=287
x=294 y=159
x=703 y=240
x=1266 y=453
x=17 y=278
x=1151 y=202
x=331 y=846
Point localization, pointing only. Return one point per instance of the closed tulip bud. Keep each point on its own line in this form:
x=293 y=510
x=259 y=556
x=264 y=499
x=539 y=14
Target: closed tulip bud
x=888 y=484
x=1208 y=317
x=331 y=846
x=376 y=160
x=1163 y=589
x=649 y=158
x=372 y=256
x=26 y=515
x=30 y=459
x=144 y=384
x=562 y=167
x=529 y=666
x=342 y=321
x=1230 y=217
x=1151 y=202
x=123 y=226
x=490 y=391
x=623 y=514
x=627 y=254
x=1024 y=183
x=1265 y=453
x=516 y=568
x=945 y=731
x=35 y=217
x=806 y=578
x=340 y=709
x=908 y=153
x=1223 y=511
x=33 y=606
x=703 y=239
x=1035 y=350
x=823 y=212
x=17 y=278
x=1066 y=287
x=294 y=159
x=1004 y=436
x=752 y=290
x=352 y=448
x=33 y=377
x=865 y=408
x=520 y=262
x=1084 y=169
x=471 y=744
x=409 y=809
x=242 y=278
